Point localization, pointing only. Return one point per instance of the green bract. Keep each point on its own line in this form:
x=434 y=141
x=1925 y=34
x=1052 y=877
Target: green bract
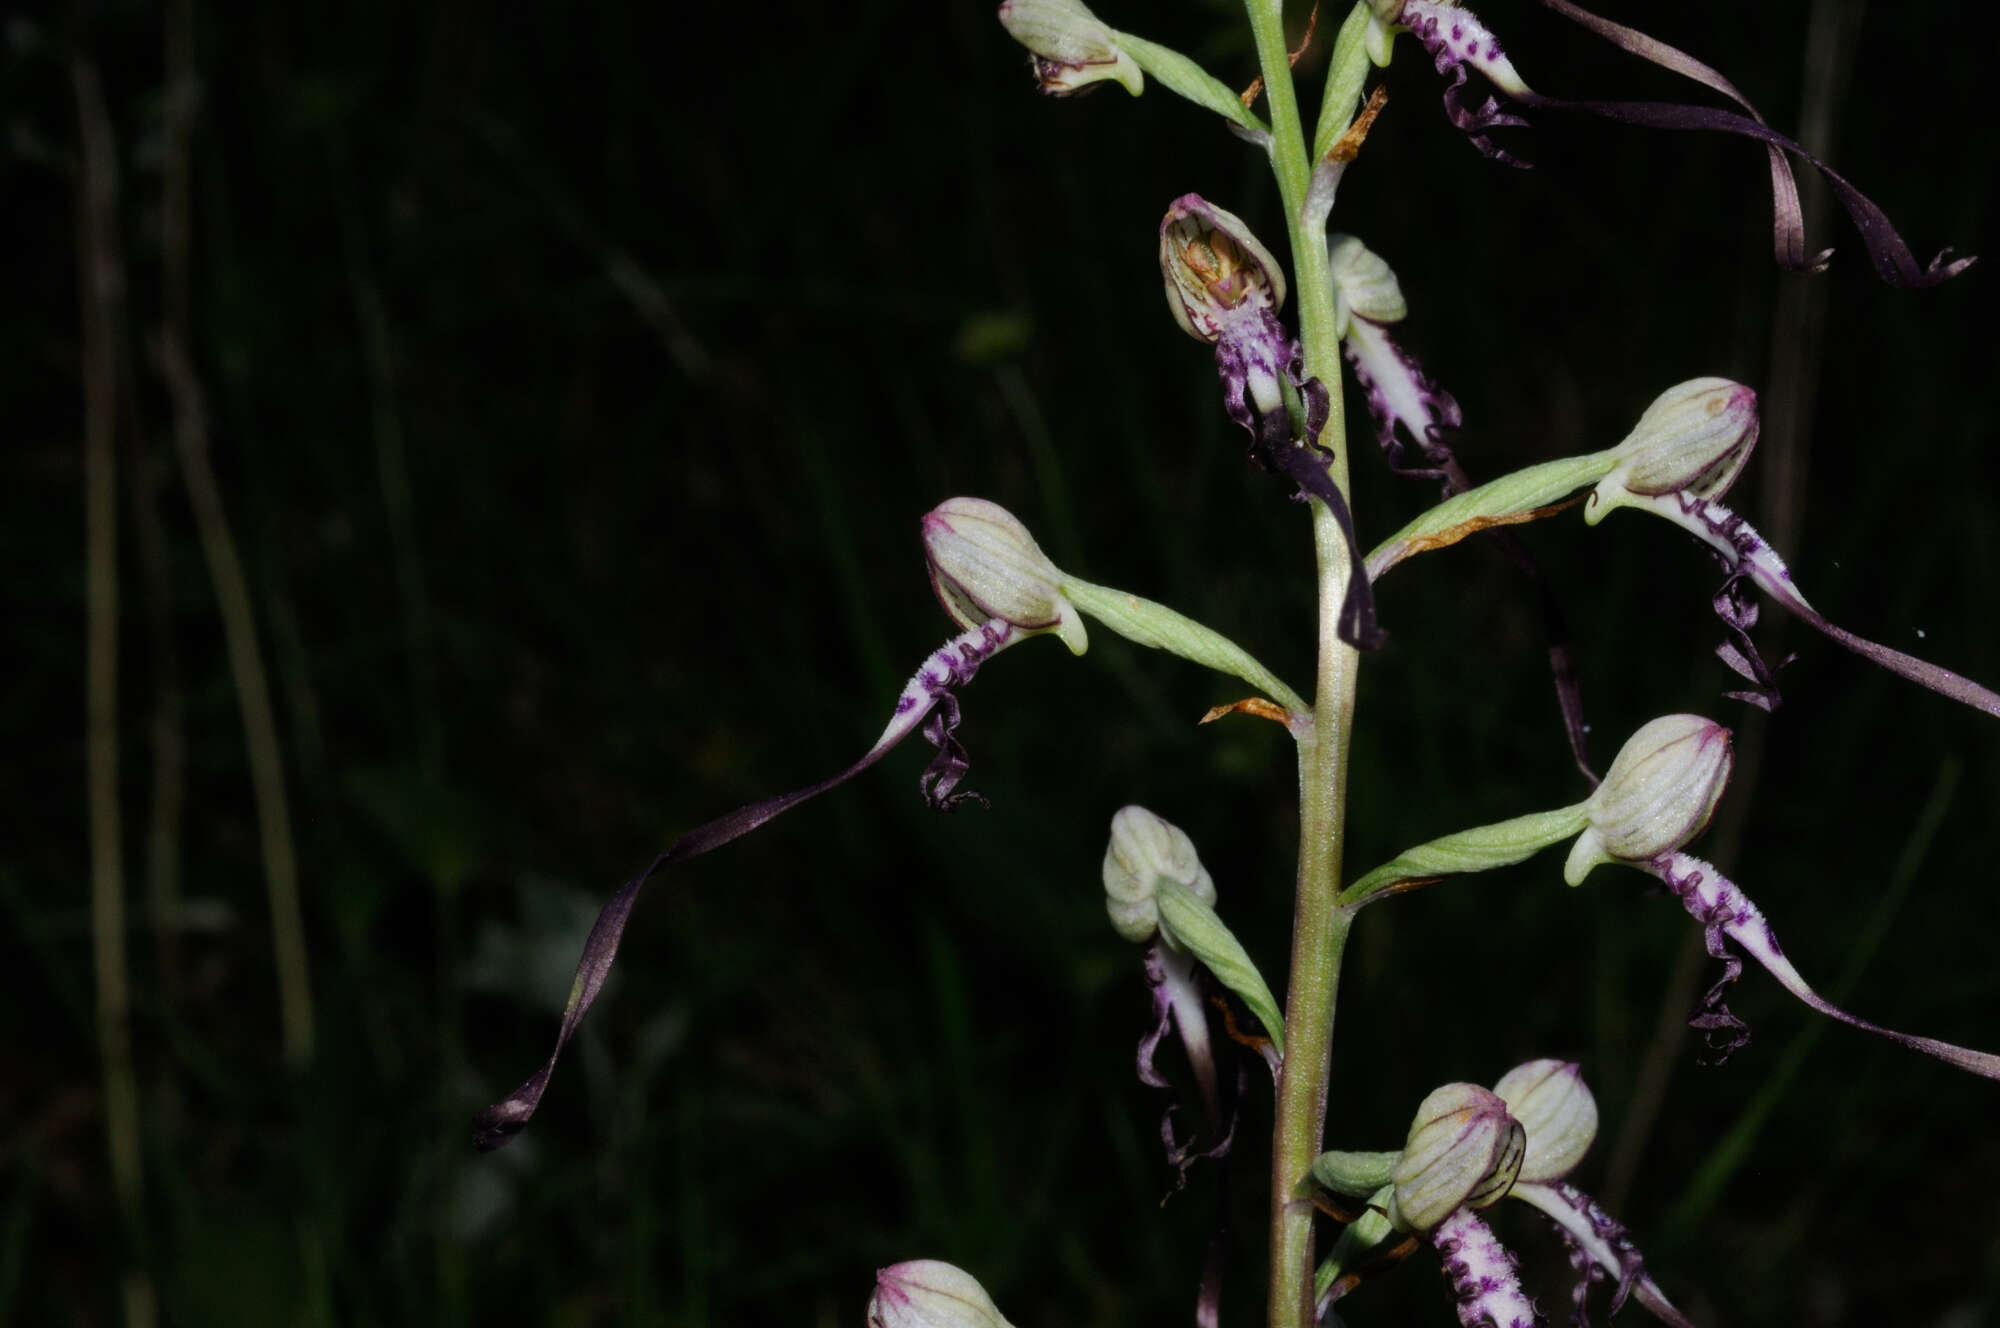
x=1189 y=922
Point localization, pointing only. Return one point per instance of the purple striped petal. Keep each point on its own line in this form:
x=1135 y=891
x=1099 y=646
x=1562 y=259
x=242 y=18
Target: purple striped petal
x=1713 y=900
x=927 y=701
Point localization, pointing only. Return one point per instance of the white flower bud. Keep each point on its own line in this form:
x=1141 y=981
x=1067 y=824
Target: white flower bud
x=1464 y=1150
x=984 y=564
x=1145 y=847
x=1555 y=1107
x=1658 y=794
x=925 y=1293
x=1366 y=286
x=1694 y=439
x=1072 y=47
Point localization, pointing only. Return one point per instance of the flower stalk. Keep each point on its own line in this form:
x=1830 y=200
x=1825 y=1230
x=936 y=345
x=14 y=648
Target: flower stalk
x=1319 y=926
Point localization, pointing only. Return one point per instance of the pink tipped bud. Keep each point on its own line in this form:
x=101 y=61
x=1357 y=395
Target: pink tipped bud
x=1693 y=439
x=925 y=1293
x=984 y=565
x=1659 y=793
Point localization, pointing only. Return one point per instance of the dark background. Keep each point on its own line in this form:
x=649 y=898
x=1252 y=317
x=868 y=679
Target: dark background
x=576 y=376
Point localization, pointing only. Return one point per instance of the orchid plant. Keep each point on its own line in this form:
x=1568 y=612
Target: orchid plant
x=1468 y=1147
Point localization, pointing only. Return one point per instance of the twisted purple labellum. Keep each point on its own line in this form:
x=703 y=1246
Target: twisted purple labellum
x=1175 y=980
x=926 y=701
x=1456 y=40
x=1728 y=915
x=1599 y=1247
x=1746 y=555
x=1399 y=392
x=1224 y=287
x=1484 y=1274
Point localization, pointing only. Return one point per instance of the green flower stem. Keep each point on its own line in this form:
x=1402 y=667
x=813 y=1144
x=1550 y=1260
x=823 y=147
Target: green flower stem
x=1319 y=926
x=1160 y=628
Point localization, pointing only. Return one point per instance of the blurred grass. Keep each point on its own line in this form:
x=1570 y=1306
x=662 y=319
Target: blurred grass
x=663 y=527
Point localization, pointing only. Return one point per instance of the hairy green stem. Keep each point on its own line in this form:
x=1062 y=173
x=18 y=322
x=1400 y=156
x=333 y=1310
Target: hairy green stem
x=1320 y=927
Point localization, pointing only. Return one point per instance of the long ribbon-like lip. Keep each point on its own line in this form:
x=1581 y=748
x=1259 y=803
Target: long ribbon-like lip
x=1716 y=902
x=927 y=702
x=1458 y=41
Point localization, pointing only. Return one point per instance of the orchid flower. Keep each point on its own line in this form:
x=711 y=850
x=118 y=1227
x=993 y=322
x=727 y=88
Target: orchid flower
x=1458 y=42
x=1468 y=1148
x=1158 y=894
x=1399 y=393
x=1224 y=287
x=1682 y=456
x=1657 y=796
x=993 y=579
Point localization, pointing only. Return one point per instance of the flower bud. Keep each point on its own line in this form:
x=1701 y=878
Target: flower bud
x=984 y=564
x=1366 y=286
x=1145 y=847
x=1555 y=1107
x=1694 y=438
x=1216 y=271
x=1659 y=793
x=1072 y=48
x=925 y=1293
x=1464 y=1150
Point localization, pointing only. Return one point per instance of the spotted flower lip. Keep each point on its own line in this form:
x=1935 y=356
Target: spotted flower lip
x=1072 y=49
x=1728 y=916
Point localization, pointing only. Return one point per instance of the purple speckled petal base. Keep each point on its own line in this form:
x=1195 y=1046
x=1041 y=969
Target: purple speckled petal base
x=1713 y=900
x=1484 y=1274
x=1744 y=552
x=1600 y=1248
x=927 y=697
